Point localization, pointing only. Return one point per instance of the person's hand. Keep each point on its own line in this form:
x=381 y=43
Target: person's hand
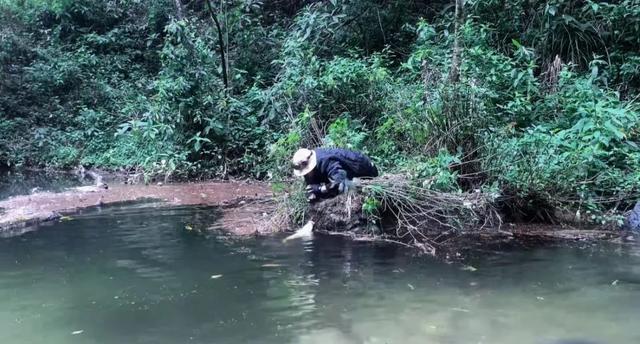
x=313 y=189
x=312 y=192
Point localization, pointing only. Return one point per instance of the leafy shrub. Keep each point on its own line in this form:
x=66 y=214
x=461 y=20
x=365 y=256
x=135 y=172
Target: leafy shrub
x=544 y=105
x=586 y=154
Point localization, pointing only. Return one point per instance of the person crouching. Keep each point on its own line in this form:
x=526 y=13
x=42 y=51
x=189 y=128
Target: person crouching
x=328 y=172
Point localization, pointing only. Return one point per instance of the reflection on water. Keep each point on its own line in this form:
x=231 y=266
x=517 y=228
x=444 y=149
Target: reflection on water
x=138 y=275
x=14 y=183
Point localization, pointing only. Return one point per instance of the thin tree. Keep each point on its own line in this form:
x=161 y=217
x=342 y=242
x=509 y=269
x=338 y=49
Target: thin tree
x=454 y=73
x=179 y=9
x=221 y=47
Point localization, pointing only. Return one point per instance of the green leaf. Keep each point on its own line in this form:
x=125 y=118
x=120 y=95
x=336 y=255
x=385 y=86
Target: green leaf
x=613 y=130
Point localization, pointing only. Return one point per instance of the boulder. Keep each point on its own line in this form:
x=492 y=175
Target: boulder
x=633 y=219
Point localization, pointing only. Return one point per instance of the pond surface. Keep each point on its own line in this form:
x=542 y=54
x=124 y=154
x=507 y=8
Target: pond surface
x=139 y=274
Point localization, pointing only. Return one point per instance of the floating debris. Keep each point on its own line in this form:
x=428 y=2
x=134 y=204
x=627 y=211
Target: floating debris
x=271 y=265
x=77 y=332
x=469 y=268
x=463 y=310
x=215 y=276
x=411 y=286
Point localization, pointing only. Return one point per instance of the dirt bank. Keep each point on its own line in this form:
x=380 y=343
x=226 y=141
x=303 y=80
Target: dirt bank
x=243 y=203
x=248 y=207
x=443 y=231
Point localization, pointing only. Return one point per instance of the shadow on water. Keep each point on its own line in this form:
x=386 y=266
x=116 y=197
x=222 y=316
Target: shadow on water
x=147 y=274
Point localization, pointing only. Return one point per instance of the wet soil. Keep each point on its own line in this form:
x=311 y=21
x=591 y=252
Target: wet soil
x=244 y=204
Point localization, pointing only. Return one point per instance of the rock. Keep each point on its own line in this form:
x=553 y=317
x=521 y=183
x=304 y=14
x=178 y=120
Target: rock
x=632 y=222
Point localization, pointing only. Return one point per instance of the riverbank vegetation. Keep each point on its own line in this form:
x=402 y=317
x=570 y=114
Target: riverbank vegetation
x=533 y=101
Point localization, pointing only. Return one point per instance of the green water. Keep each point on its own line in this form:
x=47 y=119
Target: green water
x=137 y=275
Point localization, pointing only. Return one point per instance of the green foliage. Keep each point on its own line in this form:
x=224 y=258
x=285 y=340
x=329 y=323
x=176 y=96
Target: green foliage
x=292 y=205
x=544 y=106
x=344 y=134
x=371 y=206
x=586 y=154
x=437 y=173
x=73 y=68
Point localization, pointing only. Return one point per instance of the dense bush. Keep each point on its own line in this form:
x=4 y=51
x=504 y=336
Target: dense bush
x=543 y=107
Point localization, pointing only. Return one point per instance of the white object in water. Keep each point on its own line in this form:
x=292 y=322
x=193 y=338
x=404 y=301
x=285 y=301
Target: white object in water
x=90 y=188
x=306 y=232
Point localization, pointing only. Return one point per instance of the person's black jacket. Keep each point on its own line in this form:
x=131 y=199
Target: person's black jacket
x=335 y=165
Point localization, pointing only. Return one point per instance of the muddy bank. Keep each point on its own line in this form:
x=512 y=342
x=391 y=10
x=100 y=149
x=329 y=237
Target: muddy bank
x=244 y=204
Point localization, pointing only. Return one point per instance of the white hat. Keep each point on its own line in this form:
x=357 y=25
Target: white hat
x=304 y=161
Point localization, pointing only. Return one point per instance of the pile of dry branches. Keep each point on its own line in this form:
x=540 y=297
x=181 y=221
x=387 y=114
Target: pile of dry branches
x=392 y=208
x=417 y=215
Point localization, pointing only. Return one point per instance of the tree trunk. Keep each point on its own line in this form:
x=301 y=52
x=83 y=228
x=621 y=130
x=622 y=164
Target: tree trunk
x=221 y=47
x=454 y=73
x=179 y=9
x=225 y=27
